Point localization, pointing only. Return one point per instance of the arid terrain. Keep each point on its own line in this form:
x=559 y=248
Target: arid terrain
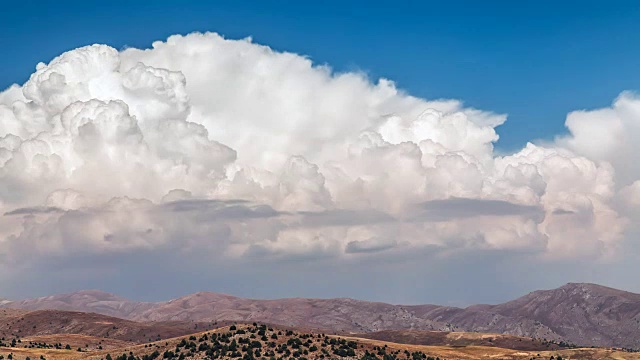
x=24 y=323
x=582 y=314
x=258 y=342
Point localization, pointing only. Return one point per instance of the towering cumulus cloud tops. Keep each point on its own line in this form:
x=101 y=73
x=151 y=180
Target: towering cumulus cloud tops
x=232 y=149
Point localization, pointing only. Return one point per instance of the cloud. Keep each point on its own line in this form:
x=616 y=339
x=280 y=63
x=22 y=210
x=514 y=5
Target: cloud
x=609 y=135
x=369 y=245
x=456 y=208
x=33 y=210
x=341 y=217
x=228 y=148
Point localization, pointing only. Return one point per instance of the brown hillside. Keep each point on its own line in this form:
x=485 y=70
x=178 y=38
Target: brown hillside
x=583 y=314
x=54 y=322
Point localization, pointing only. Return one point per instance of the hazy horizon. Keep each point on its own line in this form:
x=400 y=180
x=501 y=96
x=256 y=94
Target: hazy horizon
x=286 y=298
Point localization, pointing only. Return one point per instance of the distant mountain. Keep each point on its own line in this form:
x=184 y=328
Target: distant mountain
x=25 y=323
x=85 y=301
x=583 y=314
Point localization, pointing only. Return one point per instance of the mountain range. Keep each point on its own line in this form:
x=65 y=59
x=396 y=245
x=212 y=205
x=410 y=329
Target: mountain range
x=577 y=313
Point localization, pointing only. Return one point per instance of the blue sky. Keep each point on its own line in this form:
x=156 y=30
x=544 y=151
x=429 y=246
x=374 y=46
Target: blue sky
x=533 y=61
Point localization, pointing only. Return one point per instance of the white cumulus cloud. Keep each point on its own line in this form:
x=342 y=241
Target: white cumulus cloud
x=230 y=148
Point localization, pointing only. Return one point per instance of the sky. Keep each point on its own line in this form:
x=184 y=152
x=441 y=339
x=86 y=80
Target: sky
x=437 y=152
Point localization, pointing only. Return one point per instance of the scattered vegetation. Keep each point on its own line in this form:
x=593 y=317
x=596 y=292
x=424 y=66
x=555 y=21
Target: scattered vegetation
x=258 y=342
x=261 y=342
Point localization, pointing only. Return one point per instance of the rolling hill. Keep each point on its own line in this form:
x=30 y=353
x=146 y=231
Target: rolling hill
x=583 y=314
x=261 y=341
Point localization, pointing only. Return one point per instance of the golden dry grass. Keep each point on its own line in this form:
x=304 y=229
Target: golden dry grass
x=487 y=352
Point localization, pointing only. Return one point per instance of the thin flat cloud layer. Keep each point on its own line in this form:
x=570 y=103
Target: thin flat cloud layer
x=231 y=149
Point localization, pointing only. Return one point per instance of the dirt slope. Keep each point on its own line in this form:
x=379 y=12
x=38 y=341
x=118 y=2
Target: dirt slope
x=29 y=324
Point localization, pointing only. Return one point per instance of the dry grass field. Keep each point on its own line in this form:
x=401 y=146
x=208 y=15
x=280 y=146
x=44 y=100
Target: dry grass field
x=272 y=342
